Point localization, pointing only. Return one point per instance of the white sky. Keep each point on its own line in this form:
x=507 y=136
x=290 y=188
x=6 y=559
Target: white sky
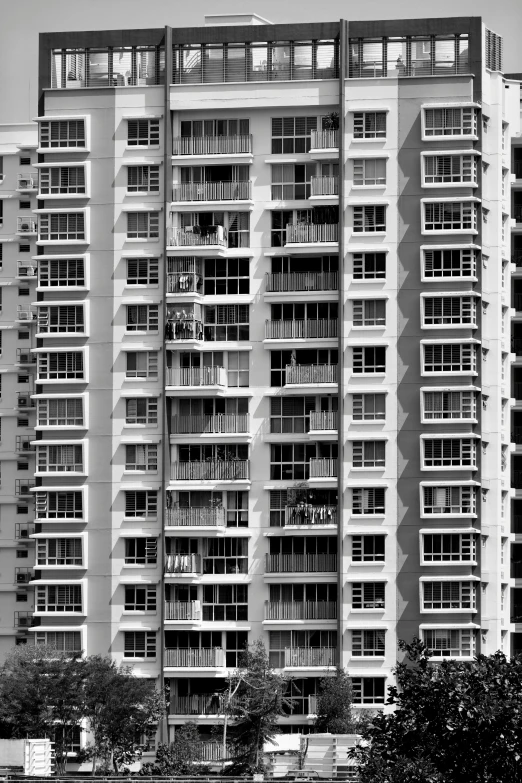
x=23 y=20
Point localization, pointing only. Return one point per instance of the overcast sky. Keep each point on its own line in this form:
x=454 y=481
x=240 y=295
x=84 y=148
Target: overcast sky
x=23 y=20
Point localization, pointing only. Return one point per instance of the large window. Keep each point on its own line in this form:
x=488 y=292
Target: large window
x=142 y=271
x=226 y=322
x=449 y=500
x=142 y=318
x=62 y=458
x=369 y=266
x=62 y=180
x=59 y=505
x=290 y=414
x=61 y=319
x=65 y=227
x=450 y=358
x=449 y=452
x=59 y=598
x=369 y=360
x=368 y=549
x=59 y=552
x=450 y=216
x=440 y=405
x=450 y=643
x=449 y=310
x=444 y=596
x=368 y=407
x=368 y=690
x=142 y=225
x=143 y=133
x=454 y=264
x=139 y=644
x=141 y=410
x=369 y=453
x=60 y=412
x=238 y=369
x=225 y=603
x=368 y=595
x=142 y=364
x=292 y=135
x=64 y=641
x=141 y=504
x=369 y=218
x=447 y=548
x=458 y=121
x=141 y=457
x=143 y=179
x=55 y=134
x=368 y=644
x=290 y=461
x=369 y=312
x=369 y=125
x=447 y=169
x=225 y=556
x=291 y=180
x=224 y=276
x=61 y=273
x=141 y=551
x=140 y=598
x=368 y=500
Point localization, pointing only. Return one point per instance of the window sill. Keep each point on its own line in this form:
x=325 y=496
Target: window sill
x=451 y=137
x=140 y=612
x=449 y=563
x=367 y=280
x=370 y=563
x=428 y=327
x=452 y=468
x=368 y=327
x=134 y=193
x=369 y=187
x=140 y=472
x=367 y=516
x=451 y=231
x=140 y=426
x=354 y=469
x=449 y=185
x=136 y=566
x=449 y=279
x=140 y=147
x=364 y=611
x=139 y=286
x=448 y=421
x=370 y=233
x=140 y=659
x=369 y=374
x=141 y=239
x=367 y=141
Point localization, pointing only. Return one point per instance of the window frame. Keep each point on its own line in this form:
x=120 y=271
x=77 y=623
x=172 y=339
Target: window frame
x=369 y=313
x=46 y=417
x=136 y=642
x=469 y=404
x=360 y=121
x=361 y=415
x=451 y=650
x=146 y=273
x=143 y=226
x=449 y=452
x=467 y=499
x=442 y=177
x=369 y=454
x=149 y=416
x=146 y=178
x=449 y=310
x=67 y=272
x=467 y=594
x=361 y=178
x=471 y=122
x=442 y=255
x=465 y=553
x=76 y=130
x=141 y=457
x=447 y=363
x=450 y=216
x=369 y=219
x=142 y=318
x=146 y=134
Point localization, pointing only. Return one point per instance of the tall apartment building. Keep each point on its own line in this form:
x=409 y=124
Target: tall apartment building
x=272 y=350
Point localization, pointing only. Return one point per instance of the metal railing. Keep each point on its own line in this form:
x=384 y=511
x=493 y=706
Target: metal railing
x=182 y=610
x=219 y=423
x=322 y=328
x=212 y=145
x=26 y=314
x=323 y=420
x=307 y=514
x=213 y=191
x=26 y=226
x=24 y=356
x=27 y=182
x=302 y=281
x=196 y=376
x=23 y=530
x=196 y=704
x=323 y=468
x=212 y=470
x=300 y=610
x=23 y=269
x=299 y=374
x=23 y=487
x=195 y=657
x=311 y=656
x=183 y=564
x=324 y=139
x=314 y=564
x=179 y=237
x=302 y=234
x=24 y=444
x=23 y=619
x=324 y=186
x=184 y=329
x=195 y=517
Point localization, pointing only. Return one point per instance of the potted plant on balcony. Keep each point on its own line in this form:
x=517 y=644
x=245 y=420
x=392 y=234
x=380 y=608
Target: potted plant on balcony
x=331 y=121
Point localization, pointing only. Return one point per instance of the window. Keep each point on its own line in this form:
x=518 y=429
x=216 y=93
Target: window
x=142 y=457
x=59 y=552
x=449 y=453
x=368 y=500
x=446 y=169
x=142 y=225
x=143 y=133
x=237 y=509
x=369 y=218
x=59 y=598
x=65 y=227
x=64 y=641
x=292 y=134
x=450 y=358
x=21 y=422
x=449 y=548
x=62 y=458
x=66 y=365
x=368 y=407
x=450 y=216
x=22 y=465
x=21 y=598
x=61 y=273
x=450 y=643
x=60 y=412
x=225 y=556
x=139 y=644
x=141 y=551
x=140 y=504
x=449 y=405
x=238 y=369
x=369 y=359
x=23 y=247
x=368 y=453
x=25 y=160
x=290 y=461
x=291 y=181
x=226 y=322
x=368 y=690
x=280 y=220
x=369 y=172
x=64 y=180
x=22 y=553
x=61 y=319
x=369 y=266
x=21 y=336
x=225 y=603
x=59 y=505
x=369 y=125
x=23 y=204
x=142 y=364
x=443 y=596
x=226 y=276
x=369 y=312
x=143 y=179
x=449 y=500
x=142 y=271
x=440 y=263
x=368 y=595
x=458 y=121
x=449 y=310
x=368 y=644
x=139 y=410
x=368 y=549
x=290 y=414
x=142 y=318
x=62 y=133
x=203 y=136
x=22 y=378
x=140 y=598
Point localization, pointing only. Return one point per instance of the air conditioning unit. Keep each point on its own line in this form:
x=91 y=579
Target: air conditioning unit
x=24 y=622
x=24 y=183
x=23 y=400
x=25 y=445
x=25 y=226
x=26 y=271
x=22 y=579
x=24 y=532
x=25 y=489
x=25 y=358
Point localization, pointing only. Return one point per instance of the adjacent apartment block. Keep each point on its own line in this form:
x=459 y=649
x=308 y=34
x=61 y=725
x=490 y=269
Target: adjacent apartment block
x=266 y=337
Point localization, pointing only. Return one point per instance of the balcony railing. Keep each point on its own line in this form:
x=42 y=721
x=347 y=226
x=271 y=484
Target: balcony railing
x=325 y=186
x=184 y=283
x=212 y=145
x=195 y=517
x=311 y=656
x=213 y=470
x=26 y=314
x=300 y=374
x=303 y=234
x=213 y=191
x=182 y=610
x=179 y=237
x=322 y=328
x=300 y=610
x=324 y=139
x=323 y=468
x=323 y=420
x=23 y=530
x=307 y=514
x=26 y=226
x=221 y=423
x=197 y=704
x=183 y=564
x=196 y=376
x=315 y=564
x=302 y=281
x=23 y=269
x=195 y=656
x=23 y=619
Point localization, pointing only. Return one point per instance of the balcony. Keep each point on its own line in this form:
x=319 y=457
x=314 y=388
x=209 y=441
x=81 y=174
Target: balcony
x=180 y=237
x=324 y=186
x=23 y=488
x=303 y=234
x=296 y=282
x=23 y=531
x=25 y=357
x=23 y=443
x=212 y=145
x=27 y=226
x=195 y=517
x=321 y=329
x=300 y=564
x=300 y=610
x=212 y=470
x=310 y=374
x=307 y=514
x=323 y=468
x=311 y=656
x=324 y=140
x=25 y=270
x=220 y=424
x=27 y=182
x=193 y=657
x=323 y=421
x=26 y=314
x=195 y=377
x=183 y=564
x=184 y=329
x=23 y=620
x=213 y=191
x=182 y=610
x=23 y=575
x=24 y=401
x=197 y=704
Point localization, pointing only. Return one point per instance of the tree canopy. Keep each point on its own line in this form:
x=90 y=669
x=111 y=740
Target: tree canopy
x=334 y=704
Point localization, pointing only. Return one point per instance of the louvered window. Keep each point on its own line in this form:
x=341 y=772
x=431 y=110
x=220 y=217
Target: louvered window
x=368 y=501
x=443 y=596
x=450 y=263
x=369 y=453
x=141 y=551
x=143 y=133
x=368 y=644
x=368 y=407
x=290 y=414
x=141 y=410
x=60 y=459
x=369 y=312
x=61 y=273
x=226 y=322
x=61 y=319
x=60 y=412
x=139 y=644
x=62 y=180
x=439 y=169
x=458 y=121
x=142 y=364
x=448 y=643
x=59 y=598
x=62 y=133
x=142 y=318
x=59 y=552
x=368 y=595
x=141 y=503
x=64 y=641
x=142 y=225
x=141 y=457
x=59 y=505
x=449 y=453
x=369 y=171
x=291 y=135
x=67 y=226
x=143 y=179
x=449 y=500
x=368 y=549
x=450 y=357
x=369 y=125
x=142 y=271
x=494 y=50
x=449 y=547
x=140 y=598
x=66 y=365
x=450 y=310
x=369 y=218
x=450 y=216
x=368 y=690
x=440 y=405
x=369 y=359
x=369 y=266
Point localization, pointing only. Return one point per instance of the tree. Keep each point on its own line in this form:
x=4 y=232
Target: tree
x=258 y=701
x=452 y=720
x=334 y=704
x=180 y=756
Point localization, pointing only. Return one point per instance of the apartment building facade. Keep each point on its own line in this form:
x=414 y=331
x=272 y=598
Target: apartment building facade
x=272 y=304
